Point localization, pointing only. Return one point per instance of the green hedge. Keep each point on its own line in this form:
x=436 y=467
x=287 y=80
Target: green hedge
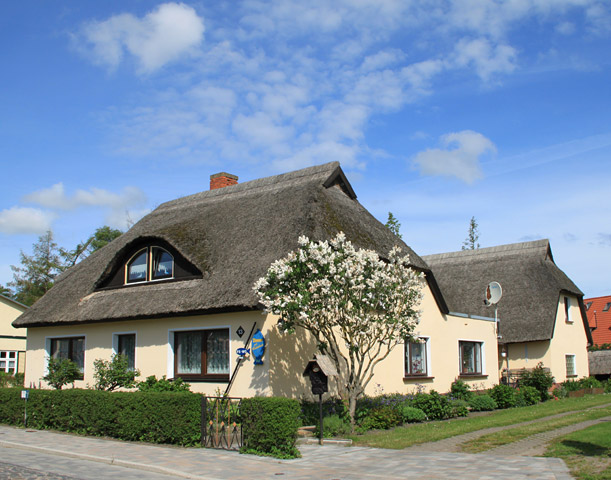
x=269 y=426
x=152 y=417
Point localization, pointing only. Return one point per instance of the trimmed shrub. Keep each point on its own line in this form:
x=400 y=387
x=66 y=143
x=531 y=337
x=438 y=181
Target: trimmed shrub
x=590 y=382
x=412 y=414
x=526 y=396
x=381 y=418
x=538 y=378
x=503 y=395
x=151 y=384
x=310 y=411
x=153 y=417
x=461 y=390
x=482 y=403
x=459 y=407
x=8 y=381
x=434 y=405
x=269 y=426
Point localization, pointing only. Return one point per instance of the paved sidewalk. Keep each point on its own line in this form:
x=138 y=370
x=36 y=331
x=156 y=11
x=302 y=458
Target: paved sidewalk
x=323 y=463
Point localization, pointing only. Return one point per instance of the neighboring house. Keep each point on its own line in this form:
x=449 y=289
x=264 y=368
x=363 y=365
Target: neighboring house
x=598 y=310
x=175 y=294
x=541 y=313
x=600 y=364
x=12 y=340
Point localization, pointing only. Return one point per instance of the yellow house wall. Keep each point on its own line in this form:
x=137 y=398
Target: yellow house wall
x=154 y=354
x=9 y=311
x=285 y=358
x=568 y=338
x=444 y=332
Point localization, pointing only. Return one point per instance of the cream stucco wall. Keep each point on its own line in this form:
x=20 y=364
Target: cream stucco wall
x=285 y=358
x=569 y=338
x=12 y=339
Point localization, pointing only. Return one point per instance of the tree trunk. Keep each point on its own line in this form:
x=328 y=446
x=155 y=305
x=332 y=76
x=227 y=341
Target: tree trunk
x=352 y=410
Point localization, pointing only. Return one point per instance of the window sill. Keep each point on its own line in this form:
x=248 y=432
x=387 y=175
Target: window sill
x=417 y=377
x=571 y=376
x=473 y=375
x=223 y=379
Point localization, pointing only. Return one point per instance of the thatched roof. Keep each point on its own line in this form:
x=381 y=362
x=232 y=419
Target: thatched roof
x=532 y=285
x=230 y=235
x=600 y=362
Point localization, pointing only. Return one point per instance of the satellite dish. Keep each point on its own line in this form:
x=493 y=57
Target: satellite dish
x=494 y=292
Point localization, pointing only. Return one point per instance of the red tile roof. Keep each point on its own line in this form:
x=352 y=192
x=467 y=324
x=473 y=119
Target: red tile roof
x=599 y=319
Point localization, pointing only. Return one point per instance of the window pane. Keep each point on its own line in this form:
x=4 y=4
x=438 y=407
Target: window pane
x=60 y=348
x=570 y=365
x=2 y=365
x=78 y=352
x=163 y=264
x=189 y=352
x=217 y=347
x=136 y=271
x=127 y=347
x=470 y=357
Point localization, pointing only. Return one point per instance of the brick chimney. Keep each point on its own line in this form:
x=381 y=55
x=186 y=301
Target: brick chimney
x=222 y=179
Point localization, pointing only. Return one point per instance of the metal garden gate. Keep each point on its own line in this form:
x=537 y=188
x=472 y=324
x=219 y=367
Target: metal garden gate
x=221 y=425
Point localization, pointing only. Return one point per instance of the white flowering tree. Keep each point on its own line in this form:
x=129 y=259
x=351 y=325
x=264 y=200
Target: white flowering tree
x=357 y=305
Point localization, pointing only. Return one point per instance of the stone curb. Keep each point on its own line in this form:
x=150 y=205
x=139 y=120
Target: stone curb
x=105 y=460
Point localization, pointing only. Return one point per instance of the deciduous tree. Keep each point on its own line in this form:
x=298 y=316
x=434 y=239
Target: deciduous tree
x=357 y=305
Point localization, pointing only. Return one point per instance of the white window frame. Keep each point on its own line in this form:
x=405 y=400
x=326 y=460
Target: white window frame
x=47 y=354
x=8 y=359
x=115 y=345
x=427 y=354
x=483 y=358
x=566 y=355
x=171 y=356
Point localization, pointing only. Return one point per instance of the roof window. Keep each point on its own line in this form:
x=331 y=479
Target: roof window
x=588 y=305
x=607 y=306
x=149 y=264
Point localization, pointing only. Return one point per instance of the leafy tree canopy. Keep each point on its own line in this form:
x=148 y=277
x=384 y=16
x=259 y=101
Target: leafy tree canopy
x=100 y=238
x=357 y=306
x=61 y=371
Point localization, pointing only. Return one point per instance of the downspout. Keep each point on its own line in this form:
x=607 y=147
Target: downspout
x=235 y=370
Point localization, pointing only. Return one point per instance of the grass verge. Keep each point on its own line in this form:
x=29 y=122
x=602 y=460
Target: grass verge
x=493 y=440
x=587 y=452
x=406 y=436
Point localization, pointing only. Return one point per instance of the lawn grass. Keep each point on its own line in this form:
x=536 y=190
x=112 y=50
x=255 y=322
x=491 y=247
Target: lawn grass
x=492 y=440
x=406 y=436
x=587 y=452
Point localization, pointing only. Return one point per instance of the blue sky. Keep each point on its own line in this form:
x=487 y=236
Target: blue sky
x=438 y=110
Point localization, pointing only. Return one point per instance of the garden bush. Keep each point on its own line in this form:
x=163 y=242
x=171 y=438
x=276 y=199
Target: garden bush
x=381 y=418
x=482 y=403
x=412 y=414
x=151 y=384
x=540 y=379
x=503 y=395
x=333 y=426
x=526 y=396
x=460 y=390
x=460 y=408
x=8 y=381
x=269 y=426
x=153 y=417
x=310 y=414
x=434 y=405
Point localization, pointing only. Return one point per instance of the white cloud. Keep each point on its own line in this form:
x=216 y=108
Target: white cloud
x=166 y=34
x=55 y=197
x=461 y=158
x=18 y=220
x=487 y=59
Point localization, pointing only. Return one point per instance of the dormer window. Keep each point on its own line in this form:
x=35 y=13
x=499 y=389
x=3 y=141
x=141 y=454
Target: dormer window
x=148 y=264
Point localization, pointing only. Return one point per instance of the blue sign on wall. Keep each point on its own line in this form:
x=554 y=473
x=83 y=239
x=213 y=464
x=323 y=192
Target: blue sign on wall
x=258 y=347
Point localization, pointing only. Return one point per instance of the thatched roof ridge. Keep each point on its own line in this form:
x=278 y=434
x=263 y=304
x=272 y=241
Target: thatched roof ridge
x=532 y=285
x=600 y=362
x=230 y=236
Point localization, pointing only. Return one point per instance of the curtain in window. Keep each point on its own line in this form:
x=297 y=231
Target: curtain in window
x=218 y=352
x=127 y=347
x=189 y=352
x=417 y=358
x=470 y=357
